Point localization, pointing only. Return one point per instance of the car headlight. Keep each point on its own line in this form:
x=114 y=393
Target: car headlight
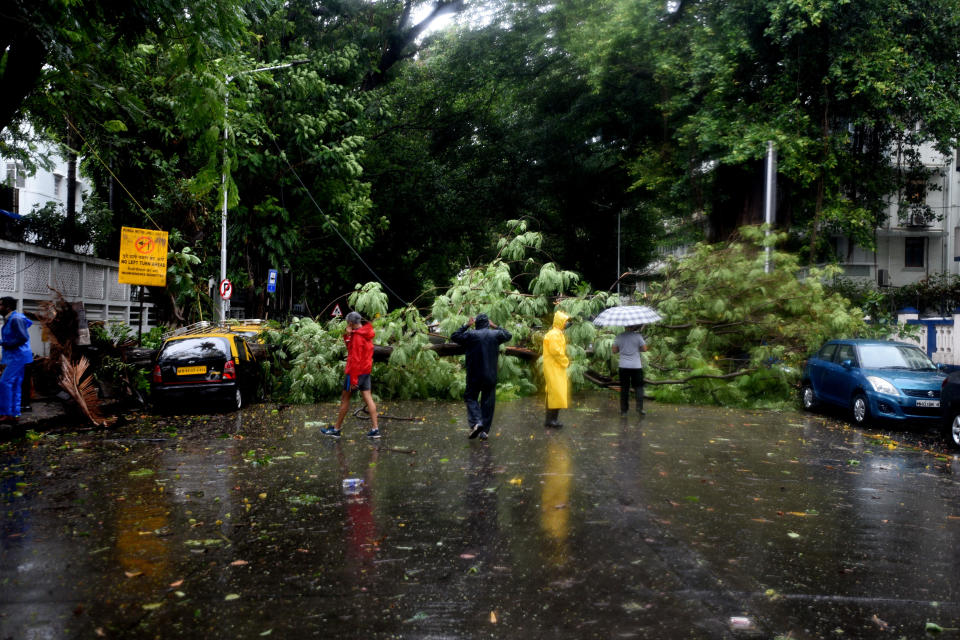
x=882 y=386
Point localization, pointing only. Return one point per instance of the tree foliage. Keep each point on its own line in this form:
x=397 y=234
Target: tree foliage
x=734 y=334
x=731 y=334
x=496 y=288
x=848 y=92
x=497 y=121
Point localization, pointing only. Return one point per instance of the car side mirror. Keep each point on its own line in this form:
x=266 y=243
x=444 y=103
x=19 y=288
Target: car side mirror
x=847 y=364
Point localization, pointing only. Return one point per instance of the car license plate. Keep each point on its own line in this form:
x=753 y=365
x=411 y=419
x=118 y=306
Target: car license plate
x=928 y=403
x=190 y=371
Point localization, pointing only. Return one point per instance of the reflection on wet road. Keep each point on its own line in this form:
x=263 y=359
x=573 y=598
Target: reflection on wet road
x=689 y=523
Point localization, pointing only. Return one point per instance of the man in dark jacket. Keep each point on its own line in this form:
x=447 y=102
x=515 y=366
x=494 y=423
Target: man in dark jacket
x=482 y=345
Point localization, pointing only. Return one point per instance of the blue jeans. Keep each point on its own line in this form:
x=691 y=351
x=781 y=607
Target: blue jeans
x=480 y=398
x=11 y=382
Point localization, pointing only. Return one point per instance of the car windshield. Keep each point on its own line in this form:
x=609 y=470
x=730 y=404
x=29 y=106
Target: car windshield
x=208 y=347
x=893 y=356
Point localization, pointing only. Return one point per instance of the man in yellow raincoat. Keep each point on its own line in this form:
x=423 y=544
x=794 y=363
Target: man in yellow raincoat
x=555 y=363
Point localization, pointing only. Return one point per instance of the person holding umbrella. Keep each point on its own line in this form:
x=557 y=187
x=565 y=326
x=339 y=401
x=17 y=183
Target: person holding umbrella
x=629 y=345
x=555 y=363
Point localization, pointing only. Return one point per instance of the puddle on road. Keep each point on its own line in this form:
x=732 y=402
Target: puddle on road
x=691 y=522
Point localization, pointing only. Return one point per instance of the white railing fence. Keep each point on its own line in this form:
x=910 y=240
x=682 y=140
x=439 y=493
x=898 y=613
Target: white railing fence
x=31 y=274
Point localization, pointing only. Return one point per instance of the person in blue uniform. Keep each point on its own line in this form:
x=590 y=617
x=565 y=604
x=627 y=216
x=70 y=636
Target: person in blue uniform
x=17 y=354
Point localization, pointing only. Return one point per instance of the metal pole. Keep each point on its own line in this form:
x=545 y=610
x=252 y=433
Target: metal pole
x=223 y=180
x=140 y=324
x=769 y=214
x=618 y=255
x=223 y=213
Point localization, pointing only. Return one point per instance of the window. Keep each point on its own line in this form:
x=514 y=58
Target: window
x=826 y=353
x=57 y=183
x=9 y=199
x=913 y=251
x=846 y=352
x=16 y=176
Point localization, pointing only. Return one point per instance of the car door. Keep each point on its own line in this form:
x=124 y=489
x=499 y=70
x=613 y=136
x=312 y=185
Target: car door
x=843 y=379
x=818 y=367
x=247 y=367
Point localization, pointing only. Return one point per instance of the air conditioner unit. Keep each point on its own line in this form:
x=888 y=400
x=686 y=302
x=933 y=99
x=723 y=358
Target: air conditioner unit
x=917 y=220
x=883 y=278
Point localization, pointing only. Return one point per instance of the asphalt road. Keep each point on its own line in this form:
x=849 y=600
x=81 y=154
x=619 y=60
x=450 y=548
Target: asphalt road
x=687 y=523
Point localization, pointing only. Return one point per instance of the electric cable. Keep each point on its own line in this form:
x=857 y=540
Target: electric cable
x=328 y=220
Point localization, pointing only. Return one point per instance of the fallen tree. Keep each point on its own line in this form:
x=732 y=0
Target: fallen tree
x=732 y=332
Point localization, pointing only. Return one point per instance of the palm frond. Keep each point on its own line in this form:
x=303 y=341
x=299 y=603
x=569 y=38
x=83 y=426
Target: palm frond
x=83 y=391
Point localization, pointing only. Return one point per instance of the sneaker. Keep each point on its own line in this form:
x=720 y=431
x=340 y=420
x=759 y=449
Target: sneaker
x=330 y=431
x=374 y=433
x=483 y=435
x=477 y=430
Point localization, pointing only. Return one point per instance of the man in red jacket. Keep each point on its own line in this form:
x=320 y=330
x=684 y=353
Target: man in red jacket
x=359 y=341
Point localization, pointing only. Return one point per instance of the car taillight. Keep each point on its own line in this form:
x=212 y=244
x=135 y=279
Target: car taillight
x=229 y=371
x=157 y=375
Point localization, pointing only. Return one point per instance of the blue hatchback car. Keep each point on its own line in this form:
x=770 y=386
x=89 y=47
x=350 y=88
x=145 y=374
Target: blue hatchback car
x=873 y=379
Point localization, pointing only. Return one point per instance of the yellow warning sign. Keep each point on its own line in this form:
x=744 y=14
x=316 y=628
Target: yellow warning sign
x=143 y=257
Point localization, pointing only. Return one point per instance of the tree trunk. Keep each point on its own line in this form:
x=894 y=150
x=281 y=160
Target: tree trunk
x=381 y=353
x=70 y=224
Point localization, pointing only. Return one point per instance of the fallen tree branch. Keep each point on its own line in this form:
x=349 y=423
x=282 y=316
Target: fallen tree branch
x=604 y=381
x=726 y=376
x=381 y=353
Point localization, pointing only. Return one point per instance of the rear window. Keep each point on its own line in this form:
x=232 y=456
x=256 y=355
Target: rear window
x=826 y=353
x=205 y=347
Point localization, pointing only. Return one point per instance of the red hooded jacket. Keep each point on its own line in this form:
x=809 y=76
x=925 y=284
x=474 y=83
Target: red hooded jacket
x=359 y=352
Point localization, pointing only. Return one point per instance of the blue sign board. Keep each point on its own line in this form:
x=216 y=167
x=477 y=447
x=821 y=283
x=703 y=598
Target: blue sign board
x=271 y=280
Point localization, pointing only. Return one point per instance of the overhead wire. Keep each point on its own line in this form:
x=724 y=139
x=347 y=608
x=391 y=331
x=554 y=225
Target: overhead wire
x=328 y=221
x=110 y=171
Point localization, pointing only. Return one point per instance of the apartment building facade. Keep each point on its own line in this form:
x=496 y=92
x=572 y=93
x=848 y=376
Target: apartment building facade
x=911 y=249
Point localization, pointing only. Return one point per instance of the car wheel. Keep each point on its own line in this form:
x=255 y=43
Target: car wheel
x=238 y=399
x=953 y=431
x=861 y=409
x=808 y=398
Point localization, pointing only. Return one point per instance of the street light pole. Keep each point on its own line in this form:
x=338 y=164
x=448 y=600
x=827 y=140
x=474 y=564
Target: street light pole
x=770 y=199
x=223 y=180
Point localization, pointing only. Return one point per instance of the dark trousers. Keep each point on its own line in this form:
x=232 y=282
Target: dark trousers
x=481 y=398
x=631 y=378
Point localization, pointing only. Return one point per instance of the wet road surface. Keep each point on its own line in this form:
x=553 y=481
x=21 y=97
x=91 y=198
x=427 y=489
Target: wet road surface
x=688 y=523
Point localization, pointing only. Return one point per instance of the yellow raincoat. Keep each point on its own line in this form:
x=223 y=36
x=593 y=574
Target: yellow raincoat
x=555 y=363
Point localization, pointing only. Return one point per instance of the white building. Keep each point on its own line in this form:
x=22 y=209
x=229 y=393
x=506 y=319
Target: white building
x=21 y=193
x=910 y=250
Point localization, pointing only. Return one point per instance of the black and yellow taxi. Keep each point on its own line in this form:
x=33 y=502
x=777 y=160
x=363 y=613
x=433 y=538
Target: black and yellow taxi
x=203 y=364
